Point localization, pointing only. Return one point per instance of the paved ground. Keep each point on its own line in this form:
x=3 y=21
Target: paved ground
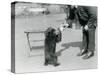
x=71 y=43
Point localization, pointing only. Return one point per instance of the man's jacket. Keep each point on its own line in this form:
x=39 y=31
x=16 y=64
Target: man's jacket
x=87 y=16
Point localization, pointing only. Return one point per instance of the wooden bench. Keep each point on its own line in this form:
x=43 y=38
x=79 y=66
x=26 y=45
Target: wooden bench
x=27 y=32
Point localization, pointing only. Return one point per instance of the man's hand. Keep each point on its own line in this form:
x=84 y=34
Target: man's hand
x=86 y=27
x=63 y=26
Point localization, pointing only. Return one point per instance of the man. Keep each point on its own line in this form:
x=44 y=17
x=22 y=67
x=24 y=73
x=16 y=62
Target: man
x=70 y=16
x=87 y=17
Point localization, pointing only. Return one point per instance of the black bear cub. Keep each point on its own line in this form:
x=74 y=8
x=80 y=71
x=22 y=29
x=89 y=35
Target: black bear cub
x=52 y=36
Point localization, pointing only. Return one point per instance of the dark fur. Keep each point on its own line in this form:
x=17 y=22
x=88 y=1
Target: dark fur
x=50 y=46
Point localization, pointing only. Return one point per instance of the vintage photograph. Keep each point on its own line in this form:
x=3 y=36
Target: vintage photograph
x=53 y=37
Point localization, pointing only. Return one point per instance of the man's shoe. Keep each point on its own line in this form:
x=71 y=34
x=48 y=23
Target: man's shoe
x=46 y=64
x=57 y=64
x=82 y=52
x=89 y=55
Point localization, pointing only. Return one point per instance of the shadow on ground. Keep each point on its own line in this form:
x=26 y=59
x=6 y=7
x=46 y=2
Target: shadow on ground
x=64 y=45
x=68 y=45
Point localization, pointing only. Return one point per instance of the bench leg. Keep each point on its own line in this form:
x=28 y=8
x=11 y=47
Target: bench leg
x=29 y=51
